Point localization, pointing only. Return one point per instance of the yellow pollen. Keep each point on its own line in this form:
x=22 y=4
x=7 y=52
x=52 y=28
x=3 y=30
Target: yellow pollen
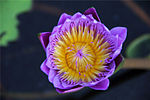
x=80 y=54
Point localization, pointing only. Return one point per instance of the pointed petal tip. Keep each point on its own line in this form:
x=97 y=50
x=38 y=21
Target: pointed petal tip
x=44 y=38
x=92 y=11
x=120 y=31
x=63 y=18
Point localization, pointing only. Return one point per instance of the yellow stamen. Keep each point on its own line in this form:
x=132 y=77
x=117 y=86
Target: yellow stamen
x=80 y=54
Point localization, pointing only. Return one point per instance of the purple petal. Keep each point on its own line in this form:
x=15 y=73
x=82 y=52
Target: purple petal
x=44 y=68
x=120 y=33
x=55 y=30
x=66 y=84
x=63 y=18
x=50 y=63
x=103 y=85
x=52 y=74
x=57 y=82
x=75 y=16
x=111 y=68
x=90 y=17
x=102 y=28
x=117 y=52
x=89 y=84
x=44 y=38
x=118 y=60
x=93 y=12
x=76 y=88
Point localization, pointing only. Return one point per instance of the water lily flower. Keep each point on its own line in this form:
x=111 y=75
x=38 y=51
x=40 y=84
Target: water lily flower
x=81 y=52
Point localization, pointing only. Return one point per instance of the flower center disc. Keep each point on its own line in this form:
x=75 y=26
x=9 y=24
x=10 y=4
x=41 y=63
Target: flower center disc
x=80 y=54
x=80 y=58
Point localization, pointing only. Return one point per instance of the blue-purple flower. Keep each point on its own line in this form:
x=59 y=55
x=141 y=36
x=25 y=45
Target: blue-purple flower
x=81 y=52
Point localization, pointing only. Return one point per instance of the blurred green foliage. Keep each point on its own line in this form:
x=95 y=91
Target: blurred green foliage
x=139 y=48
x=9 y=10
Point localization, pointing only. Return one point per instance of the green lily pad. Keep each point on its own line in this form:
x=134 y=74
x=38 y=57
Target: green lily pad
x=10 y=9
x=139 y=48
